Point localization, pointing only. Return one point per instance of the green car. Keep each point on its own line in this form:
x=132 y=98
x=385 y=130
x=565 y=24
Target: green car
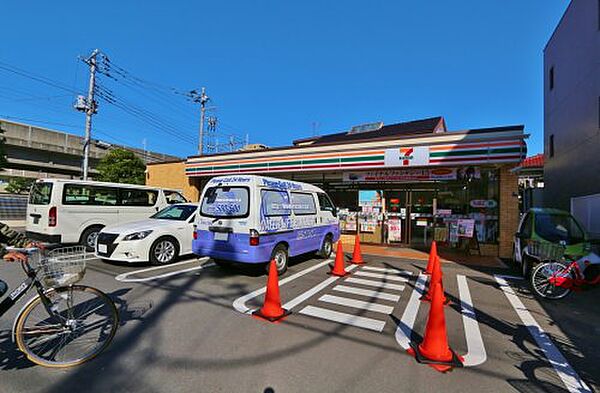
x=546 y=234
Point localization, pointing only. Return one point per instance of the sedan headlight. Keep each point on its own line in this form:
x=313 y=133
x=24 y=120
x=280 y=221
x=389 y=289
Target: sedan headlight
x=137 y=235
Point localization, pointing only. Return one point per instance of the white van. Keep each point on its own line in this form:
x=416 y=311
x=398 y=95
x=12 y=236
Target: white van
x=74 y=211
x=255 y=219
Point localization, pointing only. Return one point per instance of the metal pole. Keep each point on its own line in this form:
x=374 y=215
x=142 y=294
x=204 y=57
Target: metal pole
x=203 y=100
x=90 y=110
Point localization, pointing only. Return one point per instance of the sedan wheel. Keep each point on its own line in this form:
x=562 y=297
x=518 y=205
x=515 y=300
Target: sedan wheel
x=163 y=251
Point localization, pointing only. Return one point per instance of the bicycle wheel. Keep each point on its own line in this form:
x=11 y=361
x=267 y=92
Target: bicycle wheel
x=541 y=284
x=83 y=323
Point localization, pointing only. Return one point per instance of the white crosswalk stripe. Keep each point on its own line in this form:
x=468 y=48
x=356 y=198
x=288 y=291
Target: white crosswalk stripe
x=378 y=284
x=348 y=319
x=367 y=292
x=386 y=277
x=387 y=270
x=380 y=279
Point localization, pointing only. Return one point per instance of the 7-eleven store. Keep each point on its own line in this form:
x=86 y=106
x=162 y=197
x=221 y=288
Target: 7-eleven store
x=395 y=185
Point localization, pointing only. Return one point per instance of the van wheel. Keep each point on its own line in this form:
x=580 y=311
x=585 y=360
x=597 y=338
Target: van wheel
x=163 y=251
x=89 y=237
x=280 y=255
x=326 y=247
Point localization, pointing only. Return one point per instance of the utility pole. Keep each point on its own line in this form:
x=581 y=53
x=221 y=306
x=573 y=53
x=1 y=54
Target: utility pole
x=145 y=156
x=90 y=109
x=201 y=98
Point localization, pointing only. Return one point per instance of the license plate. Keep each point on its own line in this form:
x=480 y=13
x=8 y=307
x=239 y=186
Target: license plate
x=222 y=236
x=102 y=248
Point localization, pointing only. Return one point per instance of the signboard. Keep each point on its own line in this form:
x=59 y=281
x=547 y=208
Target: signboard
x=394 y=230
x=483 y=203
x=407 y=156
x=466 y=227
x=396 y=175
x=370 y=198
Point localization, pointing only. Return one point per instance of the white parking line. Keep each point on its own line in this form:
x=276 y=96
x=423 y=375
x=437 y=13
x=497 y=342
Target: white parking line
x=404 y=328
x=564 y=370
x=387 y=270
x=367 y=292
x=348 y=319
x=377 y=284
x=359 y=304
x=240 y=303
x=475 y=349
x=387 y=277
x=123 y=277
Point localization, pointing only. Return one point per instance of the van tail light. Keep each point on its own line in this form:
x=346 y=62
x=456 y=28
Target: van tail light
x=195 y=234
x=52 y=217
x=254 y=238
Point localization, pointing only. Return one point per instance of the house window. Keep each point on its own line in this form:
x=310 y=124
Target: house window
x=551 y=146
x=551 y=78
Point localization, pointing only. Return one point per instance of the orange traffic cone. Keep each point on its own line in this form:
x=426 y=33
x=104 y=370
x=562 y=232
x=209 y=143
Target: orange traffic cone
x=432 y=256
x=271 y=309
x=436 y=278
x=357 y=258
x=434 y=349
x=338 y=267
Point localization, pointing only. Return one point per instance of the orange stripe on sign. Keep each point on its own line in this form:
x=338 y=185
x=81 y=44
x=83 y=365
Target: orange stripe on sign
x=474 y=145
x=300 y=157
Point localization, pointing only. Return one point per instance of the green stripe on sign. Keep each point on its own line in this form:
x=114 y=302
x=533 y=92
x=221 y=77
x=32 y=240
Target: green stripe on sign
x=274 y=164
x=478 y=152
x=362 y=158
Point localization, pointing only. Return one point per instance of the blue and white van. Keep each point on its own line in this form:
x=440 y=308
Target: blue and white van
x=254 y=219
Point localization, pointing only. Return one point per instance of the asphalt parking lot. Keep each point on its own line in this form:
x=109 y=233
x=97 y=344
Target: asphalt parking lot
x=187 y=327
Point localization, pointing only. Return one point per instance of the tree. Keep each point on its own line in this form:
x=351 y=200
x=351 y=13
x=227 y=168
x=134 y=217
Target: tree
x=122 y=166
x=18 y=185
x=3 y=161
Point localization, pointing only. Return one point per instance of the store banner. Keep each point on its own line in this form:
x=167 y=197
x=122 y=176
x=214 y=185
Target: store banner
x=395 y=175
x=407 y=156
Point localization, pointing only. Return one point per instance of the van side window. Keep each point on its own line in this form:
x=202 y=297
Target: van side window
x=133 y=197
x=79 y=194
x=325 y=203
x=275 y=203
x=303 y=203
x=174 y=197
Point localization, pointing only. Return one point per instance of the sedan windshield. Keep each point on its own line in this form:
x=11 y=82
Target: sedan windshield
x=175 y=212
x=556 y=227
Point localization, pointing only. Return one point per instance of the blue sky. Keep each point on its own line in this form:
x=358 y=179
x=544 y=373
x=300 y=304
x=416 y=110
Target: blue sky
x=279 y=70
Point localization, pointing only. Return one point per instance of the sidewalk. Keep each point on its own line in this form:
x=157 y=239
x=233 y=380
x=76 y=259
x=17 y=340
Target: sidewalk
x=411 y=253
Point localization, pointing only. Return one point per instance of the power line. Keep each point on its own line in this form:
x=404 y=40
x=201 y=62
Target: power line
x=38 y=78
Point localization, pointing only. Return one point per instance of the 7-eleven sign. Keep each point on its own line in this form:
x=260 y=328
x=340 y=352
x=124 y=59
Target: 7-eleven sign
x=407 y=156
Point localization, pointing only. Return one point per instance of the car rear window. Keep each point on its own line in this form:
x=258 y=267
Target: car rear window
x=226 y=202
x=40 y=194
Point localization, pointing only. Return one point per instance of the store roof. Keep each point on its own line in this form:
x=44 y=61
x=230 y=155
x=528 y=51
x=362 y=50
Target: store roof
x=536 y=161
x=423 y=126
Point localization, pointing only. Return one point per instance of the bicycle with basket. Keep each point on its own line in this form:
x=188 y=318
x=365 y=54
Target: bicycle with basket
x=557 y=274
x=65 y=324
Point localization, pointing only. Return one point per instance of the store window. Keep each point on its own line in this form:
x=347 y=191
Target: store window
x=472 y=202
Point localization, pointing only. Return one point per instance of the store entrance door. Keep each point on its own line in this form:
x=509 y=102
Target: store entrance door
x=420 y=217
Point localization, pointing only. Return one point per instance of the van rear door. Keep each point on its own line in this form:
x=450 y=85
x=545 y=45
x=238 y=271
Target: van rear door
x=38 y=206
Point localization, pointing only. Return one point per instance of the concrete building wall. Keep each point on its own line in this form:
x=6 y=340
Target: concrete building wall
x=572 y=106
x=39 y=152
x=172 y=175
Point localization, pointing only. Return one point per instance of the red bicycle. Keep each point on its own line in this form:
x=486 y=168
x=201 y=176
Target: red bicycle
x=557 y=276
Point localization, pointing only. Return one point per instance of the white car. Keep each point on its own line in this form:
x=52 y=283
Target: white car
x=159 y=239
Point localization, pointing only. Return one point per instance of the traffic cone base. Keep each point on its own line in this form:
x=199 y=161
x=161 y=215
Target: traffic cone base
x=258 y=314
x=357 y=258
x=455 y=361
x=339 y=269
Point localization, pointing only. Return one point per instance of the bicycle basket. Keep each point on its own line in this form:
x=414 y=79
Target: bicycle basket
x=63 y=266
x=545 y=251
